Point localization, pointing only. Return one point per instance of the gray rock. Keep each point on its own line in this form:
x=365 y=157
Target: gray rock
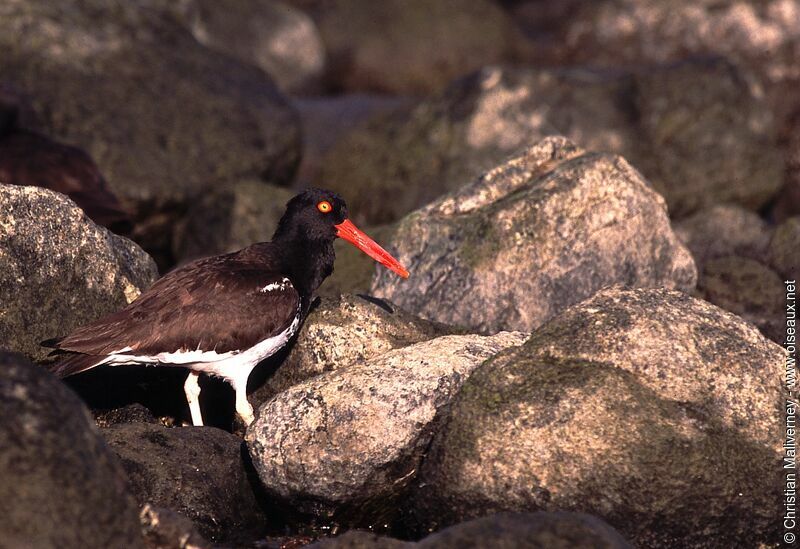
x=410 y=46
x=531 y=237
x=164 y=117
x=60 y=485
x=784 y=248
x=195 y=471
x=650 y=409
x=281 y=40
x=58 y=270
x=724 y=230
x=230 y=218
x=667 y=121
x=347 y=330
x=357 y=434
x=528 y=531
x=748 y=289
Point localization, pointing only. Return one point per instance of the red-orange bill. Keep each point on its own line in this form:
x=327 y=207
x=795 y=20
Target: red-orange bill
x=347 y=231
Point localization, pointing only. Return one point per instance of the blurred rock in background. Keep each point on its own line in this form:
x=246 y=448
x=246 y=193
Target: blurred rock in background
x=274 y=36
x=411 y=46
x=165 y=118
x=701 y=132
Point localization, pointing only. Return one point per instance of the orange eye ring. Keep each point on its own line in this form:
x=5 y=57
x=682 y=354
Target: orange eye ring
x=324 y=207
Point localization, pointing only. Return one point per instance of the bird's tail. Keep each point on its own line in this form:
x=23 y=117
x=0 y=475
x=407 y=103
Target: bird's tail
x=68 y=364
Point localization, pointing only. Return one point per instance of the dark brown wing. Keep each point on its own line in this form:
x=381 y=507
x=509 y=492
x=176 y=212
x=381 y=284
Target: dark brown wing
x=216 y=304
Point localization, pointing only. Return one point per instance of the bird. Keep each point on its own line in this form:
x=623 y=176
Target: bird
x=223 y=315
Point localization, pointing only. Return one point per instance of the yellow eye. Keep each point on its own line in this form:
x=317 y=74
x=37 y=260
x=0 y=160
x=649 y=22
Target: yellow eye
x=324 y=206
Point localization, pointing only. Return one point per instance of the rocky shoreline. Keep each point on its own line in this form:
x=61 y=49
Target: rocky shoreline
x=599 y=226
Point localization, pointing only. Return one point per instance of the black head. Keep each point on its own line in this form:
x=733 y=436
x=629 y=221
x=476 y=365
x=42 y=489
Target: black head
x=313 y=219
x=312 y=215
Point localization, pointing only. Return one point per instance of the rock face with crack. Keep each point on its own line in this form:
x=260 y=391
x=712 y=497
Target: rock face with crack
x=60 y=484
x=195 y=471
x=666 y=121
x=357 y=434
x=346 y=330
x=531 y=237
x=653 y=410
x=58 y=270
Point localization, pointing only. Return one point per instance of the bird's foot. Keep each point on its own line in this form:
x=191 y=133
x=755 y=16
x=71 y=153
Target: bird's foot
x=246 y=415
x=192 y=390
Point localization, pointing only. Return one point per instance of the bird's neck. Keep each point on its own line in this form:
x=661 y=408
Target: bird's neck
x=307 y=262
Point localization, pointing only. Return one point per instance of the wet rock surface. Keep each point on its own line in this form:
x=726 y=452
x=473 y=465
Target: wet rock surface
x=357 y=434
x=528 y=530
x=502 y=531
x=197 y=472
x=58 y=270
x=197 y=118
x=410 y=46
x=624 y=421
x=345 y=330
x=667 y=121
x=536 y=234
x=60 y=484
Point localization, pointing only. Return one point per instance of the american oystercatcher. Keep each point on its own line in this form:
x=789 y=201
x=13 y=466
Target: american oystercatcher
x=223 y=315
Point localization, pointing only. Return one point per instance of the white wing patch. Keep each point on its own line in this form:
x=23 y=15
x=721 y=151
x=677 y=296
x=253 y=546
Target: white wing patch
x=228 y=365
x=280 y=286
